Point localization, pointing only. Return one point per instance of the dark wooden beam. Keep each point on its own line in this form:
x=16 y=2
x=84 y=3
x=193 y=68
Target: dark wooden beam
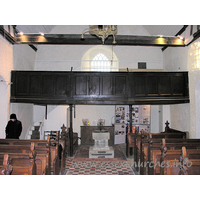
x=179 y=33
x=196 y=36
x=7 y=35
x=75 y=39
x=10 y=38
x=71 y=133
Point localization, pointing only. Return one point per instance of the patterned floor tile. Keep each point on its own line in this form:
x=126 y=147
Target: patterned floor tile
x=80 y=165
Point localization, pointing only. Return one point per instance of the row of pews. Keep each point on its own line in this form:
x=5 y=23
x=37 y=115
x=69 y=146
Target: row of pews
x=34 y=157
x=166 y=153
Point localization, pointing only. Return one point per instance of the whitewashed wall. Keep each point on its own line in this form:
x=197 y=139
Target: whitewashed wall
x=194 y=78
x=23 y=59
x=185 y=116
x=176 y=59
x=6 y=65
x=20 y=57
x=63 y=57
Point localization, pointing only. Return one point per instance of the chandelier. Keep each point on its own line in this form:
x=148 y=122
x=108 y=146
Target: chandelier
x=101 y=31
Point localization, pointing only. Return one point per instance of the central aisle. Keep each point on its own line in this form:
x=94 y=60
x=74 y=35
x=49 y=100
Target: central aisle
x=81 y=164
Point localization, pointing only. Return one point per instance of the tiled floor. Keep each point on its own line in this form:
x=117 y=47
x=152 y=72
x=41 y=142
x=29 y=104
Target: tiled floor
x=80 y=164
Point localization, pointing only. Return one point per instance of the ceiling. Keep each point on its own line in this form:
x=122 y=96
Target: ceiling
x=165 y=30
x=35 y=28
x=168 y=30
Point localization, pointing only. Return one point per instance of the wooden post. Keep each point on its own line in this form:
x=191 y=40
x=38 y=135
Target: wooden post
x=127 y=142
x=150 y=169
x=131 y=131
x=136 y=151
x=71 y=133
x=184 y=162
x=141 y=153
x=63 y=143
x=163 y=155
x=46 y=112
x=130 y=117
x=130 y=123
x=7 y=168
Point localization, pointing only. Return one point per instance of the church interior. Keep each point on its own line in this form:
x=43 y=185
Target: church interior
x=101 y=99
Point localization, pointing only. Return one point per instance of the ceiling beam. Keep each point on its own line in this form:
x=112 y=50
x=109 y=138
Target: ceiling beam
x=12 y=39
x=75 y=39
x=179 y=33
x=7 y=35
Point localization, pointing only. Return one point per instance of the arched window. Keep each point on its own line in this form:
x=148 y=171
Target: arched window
x=99 y=58
x=100 y=63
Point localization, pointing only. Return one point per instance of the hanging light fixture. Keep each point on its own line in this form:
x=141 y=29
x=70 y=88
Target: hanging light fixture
x=101 y=31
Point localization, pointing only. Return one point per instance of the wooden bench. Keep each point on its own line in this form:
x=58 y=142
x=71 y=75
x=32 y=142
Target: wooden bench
x=57 y=148
x=61 y=141
x=154 y=149
x=136 y=141
x=41 y=147
x=171 y=130
x=19 y=164
x=194 y=168
x=133 y=141
x=179 y=161
x=42 y=159
x=6 y=169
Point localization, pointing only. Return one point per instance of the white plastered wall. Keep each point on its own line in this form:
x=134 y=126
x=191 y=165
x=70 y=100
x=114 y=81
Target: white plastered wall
x=194 y=78
x=17 y=57
x=185 y=117
x=175 y=59
x=6 y=65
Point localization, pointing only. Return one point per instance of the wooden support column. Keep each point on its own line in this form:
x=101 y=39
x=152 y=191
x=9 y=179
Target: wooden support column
x=135 y=137
x=136 y=161
x=46 y=112
x=71 y=133
x=130 y=124
x=130 y=117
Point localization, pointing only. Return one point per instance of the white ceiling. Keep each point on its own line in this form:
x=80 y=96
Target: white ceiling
x=167 y=30
x=35 y=28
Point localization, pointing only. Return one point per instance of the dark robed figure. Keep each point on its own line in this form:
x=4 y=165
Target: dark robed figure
x=13 y=128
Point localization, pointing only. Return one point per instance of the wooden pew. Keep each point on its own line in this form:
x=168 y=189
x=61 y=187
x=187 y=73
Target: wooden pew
x=55 y=161
x=194 y=158
x=168 y=133
x=58 y=148
x=167 y=149
x=42 y=159
x=180 y=162
x=189 y=161
x=145 y=146
x=133 y=141
x=139 y=141
x=57 y=152
x=19 y=163
x=6 y=169
x=41 y=147
x=177 y=145
x=63 y=142
x=171 y=130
